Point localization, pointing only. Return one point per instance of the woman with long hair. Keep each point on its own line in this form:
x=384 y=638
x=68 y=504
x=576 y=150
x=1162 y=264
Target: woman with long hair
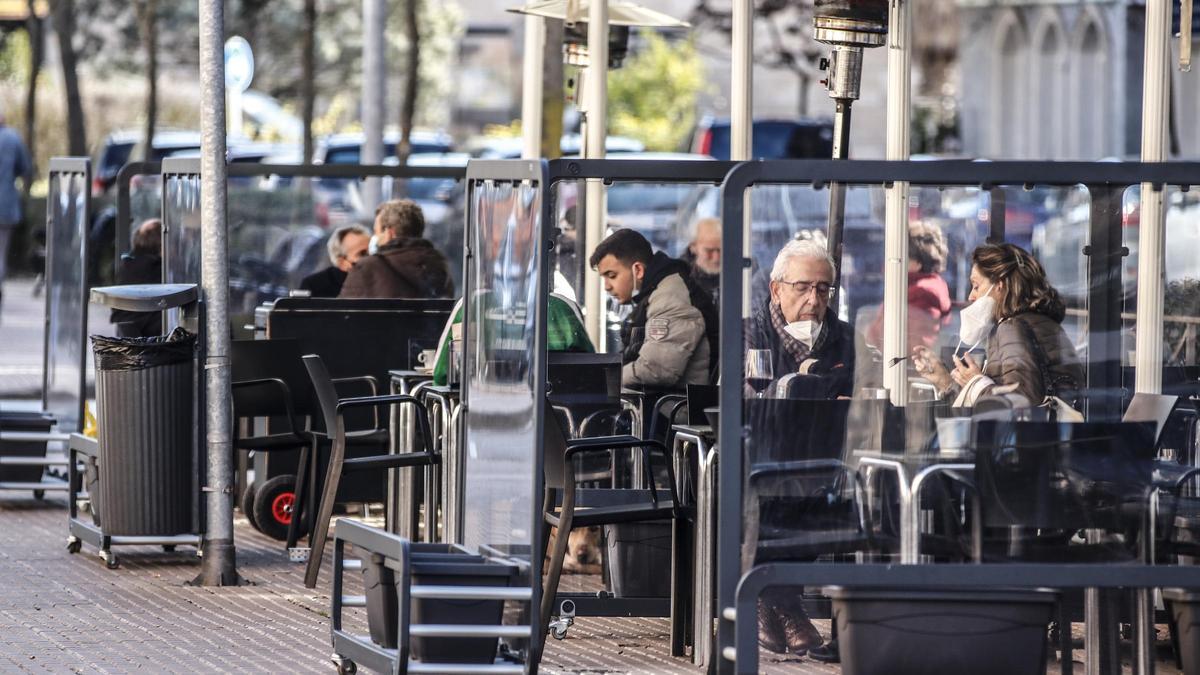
x=1019 y=314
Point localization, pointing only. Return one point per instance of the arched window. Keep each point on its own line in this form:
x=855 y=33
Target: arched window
x=1050 y=96
x=1092 y=100
x=1009 y=104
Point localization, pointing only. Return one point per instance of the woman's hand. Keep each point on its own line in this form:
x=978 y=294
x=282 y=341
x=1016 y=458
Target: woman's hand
x=931 y=368
x=965 y=369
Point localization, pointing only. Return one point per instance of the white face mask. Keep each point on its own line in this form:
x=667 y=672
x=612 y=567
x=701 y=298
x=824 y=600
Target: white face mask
x=977 y=320
x=805 y=331
x=373 y=245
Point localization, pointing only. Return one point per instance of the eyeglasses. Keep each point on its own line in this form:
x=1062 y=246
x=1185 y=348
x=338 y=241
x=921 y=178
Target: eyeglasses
x=805 y=287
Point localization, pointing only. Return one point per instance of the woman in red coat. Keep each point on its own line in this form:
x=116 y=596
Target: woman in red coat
x=928 y=293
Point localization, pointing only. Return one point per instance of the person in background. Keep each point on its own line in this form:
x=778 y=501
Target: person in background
x=14 y=164
x=1016 y=310
x=671 y=334
x=402 y=263
x=928 y=293
x=142 y=265
x=804 y=334
x=704 y=255
x=346 y=245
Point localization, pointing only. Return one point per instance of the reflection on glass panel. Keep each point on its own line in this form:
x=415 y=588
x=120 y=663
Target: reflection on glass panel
x=279 y=227
x=499 y=348
x=65 y=296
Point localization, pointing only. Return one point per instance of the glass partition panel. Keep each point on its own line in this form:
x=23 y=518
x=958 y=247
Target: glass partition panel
x=279 y=228
x=500 y=346
x=66 y=293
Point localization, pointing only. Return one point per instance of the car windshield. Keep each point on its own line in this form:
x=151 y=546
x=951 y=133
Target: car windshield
x=116 y=155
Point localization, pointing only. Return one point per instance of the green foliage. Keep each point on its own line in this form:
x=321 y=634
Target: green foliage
x=653 y=97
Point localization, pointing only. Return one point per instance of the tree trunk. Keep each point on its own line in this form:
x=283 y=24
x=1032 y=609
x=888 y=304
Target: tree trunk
x=552 y=91
x=308 y=65
x=63 y=13
x=147 y=11
x=408 y=107
x=250 y=11
x=35 y=28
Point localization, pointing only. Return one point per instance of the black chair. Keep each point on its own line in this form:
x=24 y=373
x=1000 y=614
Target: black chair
x=270 y=381
x=567 y=506
x=333 y=410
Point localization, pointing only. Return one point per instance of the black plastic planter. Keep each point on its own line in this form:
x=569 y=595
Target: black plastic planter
x=913 y=633
x=437 y=568
x=639 y=559
x=1184 y=607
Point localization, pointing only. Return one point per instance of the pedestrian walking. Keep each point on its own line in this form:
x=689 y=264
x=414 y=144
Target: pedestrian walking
x=14 y=164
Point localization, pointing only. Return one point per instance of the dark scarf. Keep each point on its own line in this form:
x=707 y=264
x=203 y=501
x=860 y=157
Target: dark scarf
x=795 y=348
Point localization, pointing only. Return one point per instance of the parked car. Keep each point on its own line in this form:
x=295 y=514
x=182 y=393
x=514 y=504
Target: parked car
x=571 y=144
x=347 y=148
x=120 y=147
x=802 y=138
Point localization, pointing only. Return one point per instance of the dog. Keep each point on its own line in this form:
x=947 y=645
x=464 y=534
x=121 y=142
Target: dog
x=583 y=550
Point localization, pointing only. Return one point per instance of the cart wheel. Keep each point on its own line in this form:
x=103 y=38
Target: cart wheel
x=168 y=548
x=344 y=665
x=273 y=504
x=74 y=545
x=39 y=494
x=110 y=560
x=247 y=506
x=559 y=632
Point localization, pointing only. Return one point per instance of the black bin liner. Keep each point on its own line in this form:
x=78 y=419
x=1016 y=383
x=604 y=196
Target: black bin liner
x=639 y=559
x=437 y=569
x=144 y=399
x=27 y=422
x=918 y=632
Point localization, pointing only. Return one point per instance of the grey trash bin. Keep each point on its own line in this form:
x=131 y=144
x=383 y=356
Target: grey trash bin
x=144 y=400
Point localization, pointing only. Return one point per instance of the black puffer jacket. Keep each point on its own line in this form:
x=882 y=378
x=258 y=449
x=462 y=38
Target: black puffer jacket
x=403 y=268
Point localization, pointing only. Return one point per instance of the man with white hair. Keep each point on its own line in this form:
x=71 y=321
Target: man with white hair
x=804 y=335
x=346 y=245
x=704 y=255
x=14 y=164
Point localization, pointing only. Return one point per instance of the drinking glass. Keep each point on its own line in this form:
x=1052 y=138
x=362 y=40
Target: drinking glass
x=759 y=370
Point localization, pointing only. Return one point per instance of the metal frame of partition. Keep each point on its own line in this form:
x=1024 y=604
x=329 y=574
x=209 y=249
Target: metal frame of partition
x=67 y=166
x=737 y=593
x=124 y=227
x=699 y=172
x=516 y=171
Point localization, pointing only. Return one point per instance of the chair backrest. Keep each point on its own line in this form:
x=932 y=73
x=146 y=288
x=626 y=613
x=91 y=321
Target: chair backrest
x=322 y=385
x=554 y=448
x=796 y=429
x=263 y=359
x=1060 y=474
x=1150 y=408
x=699 y=397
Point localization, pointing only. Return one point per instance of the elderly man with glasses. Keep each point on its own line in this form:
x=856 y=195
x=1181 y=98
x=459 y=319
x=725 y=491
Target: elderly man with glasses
x=804 y=335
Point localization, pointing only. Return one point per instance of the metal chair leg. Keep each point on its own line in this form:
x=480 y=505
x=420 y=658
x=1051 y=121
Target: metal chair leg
x=680 y=582
x=320 y=531
x=302 y=495
x=557 y=556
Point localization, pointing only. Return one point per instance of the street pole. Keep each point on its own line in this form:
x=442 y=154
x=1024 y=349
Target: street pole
x=741 y=118
x=531 y=87
x=373 y=95
x=595 y=123
x=219 y=566
x=1156 y=102
x=895 y=281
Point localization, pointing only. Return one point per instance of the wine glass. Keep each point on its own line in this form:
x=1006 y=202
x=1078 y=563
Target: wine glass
x=759 y=370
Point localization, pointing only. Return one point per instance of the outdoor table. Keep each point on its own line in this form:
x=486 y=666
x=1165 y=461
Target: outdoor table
x=702 y=439
x=443 y=483
x=402 y=496
x=911 y=471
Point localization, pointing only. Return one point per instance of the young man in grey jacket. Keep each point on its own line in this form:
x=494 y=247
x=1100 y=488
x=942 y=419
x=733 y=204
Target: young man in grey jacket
x=670 y=339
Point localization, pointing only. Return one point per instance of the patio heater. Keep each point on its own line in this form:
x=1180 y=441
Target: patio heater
x=848 y=26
